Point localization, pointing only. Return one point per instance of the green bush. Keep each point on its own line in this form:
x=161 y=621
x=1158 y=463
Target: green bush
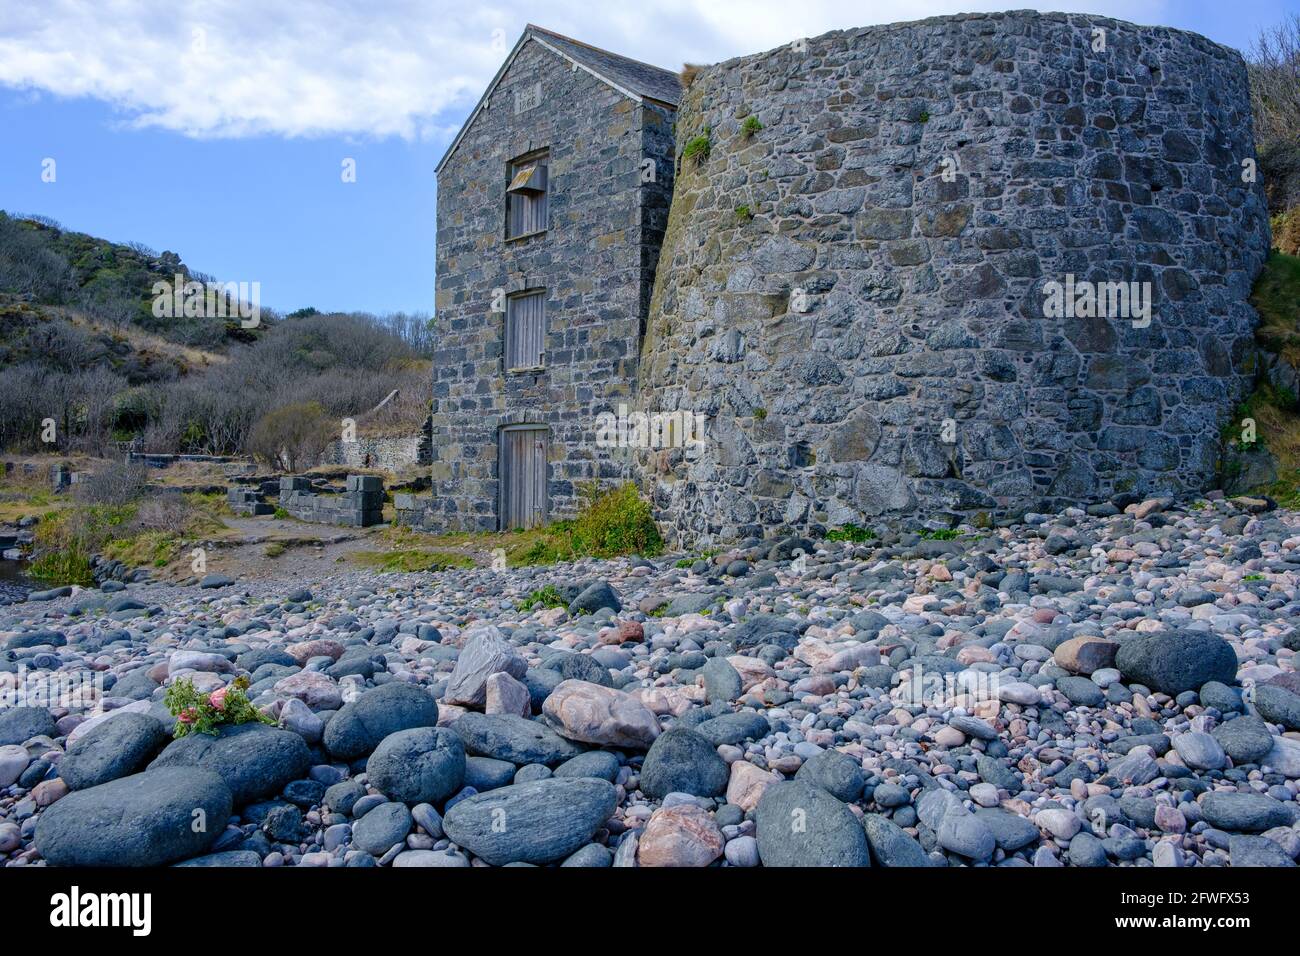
x=698 y=148
x=545 y=596
x=292 y=437
x=1286 y=232
x=850 y=532
x=202 y=713
x=610 y=524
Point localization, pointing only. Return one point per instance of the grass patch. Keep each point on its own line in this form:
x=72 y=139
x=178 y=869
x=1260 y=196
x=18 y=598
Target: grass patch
x=543 y=597
x=609 y=525
x=149 y=532
x=850 y=532
x=413 y=559
x=275 y=549
x=1286 y=490
x=698 y=148
x=149 y=548
x=22 y=496
x=750 y=128
x=1275 y=411
x=66 y=540
x=940 y=534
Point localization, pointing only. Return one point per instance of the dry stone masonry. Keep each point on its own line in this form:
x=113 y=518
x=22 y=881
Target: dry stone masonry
x=359 y=506
x=854 y=293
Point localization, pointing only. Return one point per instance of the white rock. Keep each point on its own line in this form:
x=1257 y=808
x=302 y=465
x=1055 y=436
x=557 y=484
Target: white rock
x=198 y=661
x=1284 y=758
x=1060 y=823
x=1015 y=692
x=297 y=716
x=13 y=761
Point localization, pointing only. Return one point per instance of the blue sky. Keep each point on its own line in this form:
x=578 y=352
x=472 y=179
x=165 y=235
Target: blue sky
x=218 y=128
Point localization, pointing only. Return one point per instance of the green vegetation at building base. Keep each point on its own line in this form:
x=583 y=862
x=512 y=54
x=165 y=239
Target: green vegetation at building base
x=609 y=525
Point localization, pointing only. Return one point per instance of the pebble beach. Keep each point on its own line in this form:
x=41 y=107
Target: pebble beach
x=1109 y=687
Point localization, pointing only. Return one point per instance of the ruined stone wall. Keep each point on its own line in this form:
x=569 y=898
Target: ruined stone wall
x=854 y=294
x=384 y=454
x=359 y=506
x=596 y=262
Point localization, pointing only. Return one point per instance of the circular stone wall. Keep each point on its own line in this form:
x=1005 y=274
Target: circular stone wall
x=854 y=287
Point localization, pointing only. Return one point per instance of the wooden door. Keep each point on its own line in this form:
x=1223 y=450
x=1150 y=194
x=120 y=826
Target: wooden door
x=522 y=467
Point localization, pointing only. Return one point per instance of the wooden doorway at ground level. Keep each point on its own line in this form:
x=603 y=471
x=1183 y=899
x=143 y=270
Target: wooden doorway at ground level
x=522 y=475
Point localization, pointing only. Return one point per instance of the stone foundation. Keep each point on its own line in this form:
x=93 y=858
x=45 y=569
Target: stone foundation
x=360 y=506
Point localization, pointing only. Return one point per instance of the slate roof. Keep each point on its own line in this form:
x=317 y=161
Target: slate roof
x=634 y=79
x=651 y=82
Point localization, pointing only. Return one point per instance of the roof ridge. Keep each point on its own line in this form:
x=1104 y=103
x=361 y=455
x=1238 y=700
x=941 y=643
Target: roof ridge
x=597 y=49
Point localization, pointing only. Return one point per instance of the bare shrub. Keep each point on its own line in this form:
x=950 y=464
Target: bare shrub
x=163 y=512
x=1274 y=64
x=20 y=406
x=293 y=437
x=28 y=263
x=116 y=483
x=80 y=403
x=416 y=329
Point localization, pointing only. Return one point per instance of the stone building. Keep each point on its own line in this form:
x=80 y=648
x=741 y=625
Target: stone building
x=879 y=280
x=552 y=202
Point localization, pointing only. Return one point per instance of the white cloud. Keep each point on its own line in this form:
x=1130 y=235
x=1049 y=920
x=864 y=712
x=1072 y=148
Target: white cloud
x=229 y=68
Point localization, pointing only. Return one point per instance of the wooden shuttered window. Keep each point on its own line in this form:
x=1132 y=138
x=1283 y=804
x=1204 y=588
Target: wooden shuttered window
x=526 y=330
x=526 y=196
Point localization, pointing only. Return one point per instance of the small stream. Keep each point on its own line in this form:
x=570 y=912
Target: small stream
x=14 y=581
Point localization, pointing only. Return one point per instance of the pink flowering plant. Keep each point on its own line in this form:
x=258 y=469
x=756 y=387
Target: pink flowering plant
x=196 y=712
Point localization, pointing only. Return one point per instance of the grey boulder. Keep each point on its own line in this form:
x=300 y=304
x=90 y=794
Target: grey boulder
x=1245 y=739
x=253 y=759
x=358 y=727
x=889 y=845
x=682 y=761
x=420 y=765
x=382 y=828
x=147 y=819
x=115 y=748
x=836 y=773
x=1175 y=661
x=537 y=822
x=513 y=738
x=18 y=724
x=802 y=825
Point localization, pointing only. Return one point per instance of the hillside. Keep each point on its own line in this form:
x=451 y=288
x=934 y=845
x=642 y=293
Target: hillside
x=79 y=343
x=108 y=282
